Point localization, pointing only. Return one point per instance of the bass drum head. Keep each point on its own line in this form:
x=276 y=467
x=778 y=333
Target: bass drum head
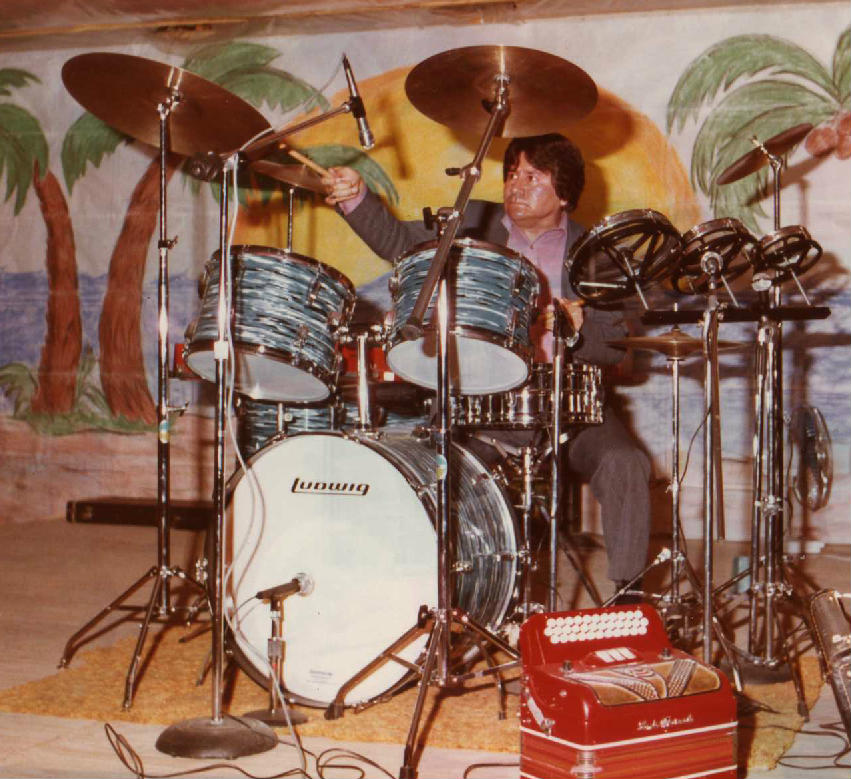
x=347 y=515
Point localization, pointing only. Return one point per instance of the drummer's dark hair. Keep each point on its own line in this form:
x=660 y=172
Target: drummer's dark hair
x=554 y=154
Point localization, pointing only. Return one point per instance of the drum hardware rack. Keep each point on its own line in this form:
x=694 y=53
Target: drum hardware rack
x=160 y=607
x=783 y=255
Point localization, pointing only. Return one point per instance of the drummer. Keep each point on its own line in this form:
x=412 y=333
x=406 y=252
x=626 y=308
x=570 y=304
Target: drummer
x=543 y=178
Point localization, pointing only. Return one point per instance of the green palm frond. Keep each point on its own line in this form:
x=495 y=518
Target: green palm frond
x=87 y=141
x=761 y=109
x=13 y=78
x=244 y=69
x=216 y=60
x=739 y=57
x=842 y=67
x=276 y=88
x=18 y=382
x=736 y=113
x=22 y=143
x=373 y=174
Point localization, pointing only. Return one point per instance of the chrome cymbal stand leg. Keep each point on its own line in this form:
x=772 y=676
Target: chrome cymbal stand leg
x=159 y=607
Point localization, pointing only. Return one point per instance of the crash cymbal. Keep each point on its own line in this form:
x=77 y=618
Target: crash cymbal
x=297 y=175
x=544 y=91
x=126 y=92
x=675 y=343
x=756 y=158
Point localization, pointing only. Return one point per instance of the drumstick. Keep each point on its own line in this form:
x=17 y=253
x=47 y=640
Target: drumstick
x=304 y=159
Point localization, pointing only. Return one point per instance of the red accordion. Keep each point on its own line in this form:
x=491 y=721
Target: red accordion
x=606 y=696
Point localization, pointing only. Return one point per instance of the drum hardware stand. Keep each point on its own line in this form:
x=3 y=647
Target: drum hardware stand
x=278 y=713
x=767 y=646
x=439 y=622
x=565 y=337
x=160 y=607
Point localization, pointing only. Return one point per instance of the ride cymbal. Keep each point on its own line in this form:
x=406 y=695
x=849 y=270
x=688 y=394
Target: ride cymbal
x=126 y=91
x=757 y=158
x=299 y=176
x=675 y=343
x=456 y=87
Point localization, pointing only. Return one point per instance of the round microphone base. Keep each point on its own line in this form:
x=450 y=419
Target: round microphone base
x=228 y=738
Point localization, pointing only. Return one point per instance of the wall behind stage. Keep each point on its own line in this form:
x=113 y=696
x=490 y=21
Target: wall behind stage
x=680 y=96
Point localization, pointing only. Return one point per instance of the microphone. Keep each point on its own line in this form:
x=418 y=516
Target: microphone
x=301 y=584
x=358 y=110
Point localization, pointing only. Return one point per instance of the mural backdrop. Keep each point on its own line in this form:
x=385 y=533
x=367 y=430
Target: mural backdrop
x=681 y=96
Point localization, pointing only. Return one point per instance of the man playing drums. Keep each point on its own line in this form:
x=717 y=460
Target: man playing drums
x=543 y=179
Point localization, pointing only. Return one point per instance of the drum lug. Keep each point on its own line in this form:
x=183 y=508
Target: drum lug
x=315 y=286
x=512 y=327
x=517 y=285
x=298 y=345
x=462 y=566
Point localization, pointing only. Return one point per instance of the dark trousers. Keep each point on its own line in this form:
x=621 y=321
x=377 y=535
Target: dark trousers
x=606 y=457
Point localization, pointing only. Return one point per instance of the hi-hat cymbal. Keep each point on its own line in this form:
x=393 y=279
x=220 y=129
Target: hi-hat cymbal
x=126 y=92
x=297 y=175
x=544 y=91
x=675 y=343
x=756 y=158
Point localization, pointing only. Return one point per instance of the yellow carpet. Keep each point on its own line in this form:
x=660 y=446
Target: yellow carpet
x=166 y=693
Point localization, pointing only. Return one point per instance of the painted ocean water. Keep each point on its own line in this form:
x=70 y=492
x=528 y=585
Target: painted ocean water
x=816 y=357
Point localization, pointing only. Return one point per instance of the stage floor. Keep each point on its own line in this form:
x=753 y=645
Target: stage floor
x=55 y=576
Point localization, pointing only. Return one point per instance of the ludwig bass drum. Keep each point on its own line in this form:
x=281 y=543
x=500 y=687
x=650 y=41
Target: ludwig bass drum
x=355 y=519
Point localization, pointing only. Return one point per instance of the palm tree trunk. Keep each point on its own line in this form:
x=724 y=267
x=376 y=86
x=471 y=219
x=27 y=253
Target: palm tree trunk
x=122 y=364
x=63 y=342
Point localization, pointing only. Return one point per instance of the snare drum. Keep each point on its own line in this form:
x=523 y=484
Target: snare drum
x=493 y=293
x=531 y=406
x=355 y=517
x=261 y=421
x=286 y=309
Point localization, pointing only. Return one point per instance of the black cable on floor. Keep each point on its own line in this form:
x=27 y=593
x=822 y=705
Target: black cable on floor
x=476 y=766
x=132 y=761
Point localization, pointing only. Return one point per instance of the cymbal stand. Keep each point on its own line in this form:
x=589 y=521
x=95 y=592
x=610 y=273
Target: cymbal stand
x=438 y=622
x=672 y=602
x=160 y=607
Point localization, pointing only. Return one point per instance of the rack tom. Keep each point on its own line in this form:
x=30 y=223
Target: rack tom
x=284 y=315
x=493 y=292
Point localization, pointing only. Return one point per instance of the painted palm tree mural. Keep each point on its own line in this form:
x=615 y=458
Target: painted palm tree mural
x=759 y=85
x=243 y=69
x=24 y=161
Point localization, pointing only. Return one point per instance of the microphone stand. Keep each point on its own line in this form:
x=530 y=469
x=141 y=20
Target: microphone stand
x=217 y=737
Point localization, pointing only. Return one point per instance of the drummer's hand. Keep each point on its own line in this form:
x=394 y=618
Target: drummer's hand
x=573 y=309
x=342 y=184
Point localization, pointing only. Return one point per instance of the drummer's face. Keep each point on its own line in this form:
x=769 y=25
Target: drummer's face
x=530 y=197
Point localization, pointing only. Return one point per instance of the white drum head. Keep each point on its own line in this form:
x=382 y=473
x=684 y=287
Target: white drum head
x=263 y=378
x=476 y=366
x=340 y=513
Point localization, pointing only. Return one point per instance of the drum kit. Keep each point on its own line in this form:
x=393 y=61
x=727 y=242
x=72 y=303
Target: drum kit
x=412 y=542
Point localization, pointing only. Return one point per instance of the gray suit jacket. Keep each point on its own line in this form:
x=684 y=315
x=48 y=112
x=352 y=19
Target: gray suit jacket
x=390 y=238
